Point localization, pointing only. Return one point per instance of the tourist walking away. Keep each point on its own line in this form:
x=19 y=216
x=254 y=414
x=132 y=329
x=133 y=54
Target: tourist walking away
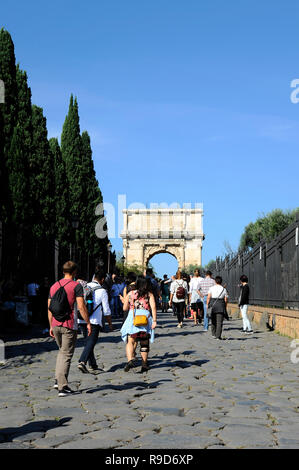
x=217 y=301
x=63 y=322
x=116 y=290
x=140 y=323
x=155 y=285
x=204 y=286
x=196 y=304
x=97 y=307
x=165 y=292
x=186 y=278
x=243 y=304
x=178 y=294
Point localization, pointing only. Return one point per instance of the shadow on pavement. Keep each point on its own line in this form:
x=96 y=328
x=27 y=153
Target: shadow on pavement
x=126 y=386
x=36 y=426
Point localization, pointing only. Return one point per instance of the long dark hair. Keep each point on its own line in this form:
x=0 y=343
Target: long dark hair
x=143 y=286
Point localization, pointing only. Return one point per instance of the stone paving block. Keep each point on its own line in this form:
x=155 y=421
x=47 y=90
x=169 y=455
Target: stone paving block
x=172 y=441
x=15 y=416
x=89 y=443
x=117 y=434
x=245 y=436
x=15 y=445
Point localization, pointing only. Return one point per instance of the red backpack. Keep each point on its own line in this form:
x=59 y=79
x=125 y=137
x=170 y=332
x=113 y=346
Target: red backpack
x=180 y=293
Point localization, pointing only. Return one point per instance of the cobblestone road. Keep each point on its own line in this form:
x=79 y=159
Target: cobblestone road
x=199 y=393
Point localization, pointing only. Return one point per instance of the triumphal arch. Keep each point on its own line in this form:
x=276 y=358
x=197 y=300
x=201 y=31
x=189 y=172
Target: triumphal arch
x=147 y=232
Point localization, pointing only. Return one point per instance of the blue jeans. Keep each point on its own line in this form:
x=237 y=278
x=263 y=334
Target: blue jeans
x=91 y=341
x=206 y=320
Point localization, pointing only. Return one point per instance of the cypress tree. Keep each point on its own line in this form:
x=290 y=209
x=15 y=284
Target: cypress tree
x=61 y=196
x=71 y=150
x=41 y=177
x=8 y=113
x=96 y=247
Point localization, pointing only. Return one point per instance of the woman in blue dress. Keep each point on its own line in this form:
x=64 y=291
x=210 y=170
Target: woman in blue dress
x=140 y=301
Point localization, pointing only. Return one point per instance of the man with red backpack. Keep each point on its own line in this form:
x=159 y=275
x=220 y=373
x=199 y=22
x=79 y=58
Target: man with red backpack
x=62 y=317
x=178 y=294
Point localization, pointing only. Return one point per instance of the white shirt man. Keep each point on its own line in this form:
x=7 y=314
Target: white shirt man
x=100 y=309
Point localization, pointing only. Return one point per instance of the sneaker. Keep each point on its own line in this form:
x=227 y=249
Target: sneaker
x=83 y=368
x=55 y=385
x=213 y=336
x=249 y=332
x=65 y=392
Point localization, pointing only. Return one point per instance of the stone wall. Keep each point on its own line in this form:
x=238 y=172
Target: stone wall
x=285 y=322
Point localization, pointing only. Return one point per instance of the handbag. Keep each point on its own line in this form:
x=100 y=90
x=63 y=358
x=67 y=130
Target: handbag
x=139 y=320
x=209 y=309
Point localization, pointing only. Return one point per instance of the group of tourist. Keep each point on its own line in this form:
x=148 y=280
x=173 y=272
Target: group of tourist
x=73 y=303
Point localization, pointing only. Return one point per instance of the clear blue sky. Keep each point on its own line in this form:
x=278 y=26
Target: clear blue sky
x=185 y=101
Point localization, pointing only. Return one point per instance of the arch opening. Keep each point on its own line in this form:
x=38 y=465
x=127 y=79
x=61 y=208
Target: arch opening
x=163 y=262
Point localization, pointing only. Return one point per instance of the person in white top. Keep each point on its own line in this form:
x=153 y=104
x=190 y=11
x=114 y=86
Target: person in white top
x=178 y=294
x=100 y=309
x=217 y=299
x=195 y=301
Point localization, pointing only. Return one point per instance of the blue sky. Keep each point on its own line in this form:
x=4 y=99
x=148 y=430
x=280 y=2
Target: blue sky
x=185 y=101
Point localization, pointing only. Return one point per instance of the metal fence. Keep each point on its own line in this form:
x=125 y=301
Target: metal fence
x=272 y=269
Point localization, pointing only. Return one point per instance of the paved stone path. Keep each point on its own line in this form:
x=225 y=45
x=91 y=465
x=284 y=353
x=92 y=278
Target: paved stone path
x=199 y=393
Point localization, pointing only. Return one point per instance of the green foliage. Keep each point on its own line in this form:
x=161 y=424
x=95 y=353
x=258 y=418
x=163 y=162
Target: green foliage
x=266 y=228
x=17 y=177
x=61 y=196
x=41 y=173
x=42 y=185
x=8 y=114
x=191 y=268
x=211 y=266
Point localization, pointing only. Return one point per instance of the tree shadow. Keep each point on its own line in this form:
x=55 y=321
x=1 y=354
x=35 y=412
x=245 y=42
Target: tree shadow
x=35 y=426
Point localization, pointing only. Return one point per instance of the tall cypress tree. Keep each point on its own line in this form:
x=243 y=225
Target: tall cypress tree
x=41 y=177
x=96 y=247
x=71 y=150
x=61 y=196
x=8 y=114
x=42 y=195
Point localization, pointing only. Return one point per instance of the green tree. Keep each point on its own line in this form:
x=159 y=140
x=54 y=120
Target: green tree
x=8 y=115
x=266 y=227
x=41 y=178
x=61 y=196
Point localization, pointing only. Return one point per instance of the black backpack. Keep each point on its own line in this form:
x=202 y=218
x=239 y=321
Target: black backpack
x=59 y=305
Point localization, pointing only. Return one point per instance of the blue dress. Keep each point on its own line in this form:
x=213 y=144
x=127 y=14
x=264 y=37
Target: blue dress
x=128 y=327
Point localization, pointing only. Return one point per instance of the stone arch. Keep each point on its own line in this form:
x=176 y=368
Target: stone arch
x=177 y=232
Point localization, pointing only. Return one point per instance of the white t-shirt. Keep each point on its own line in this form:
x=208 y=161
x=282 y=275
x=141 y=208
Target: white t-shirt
x=193 y=288
x=218 y=290
x=174 y=286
